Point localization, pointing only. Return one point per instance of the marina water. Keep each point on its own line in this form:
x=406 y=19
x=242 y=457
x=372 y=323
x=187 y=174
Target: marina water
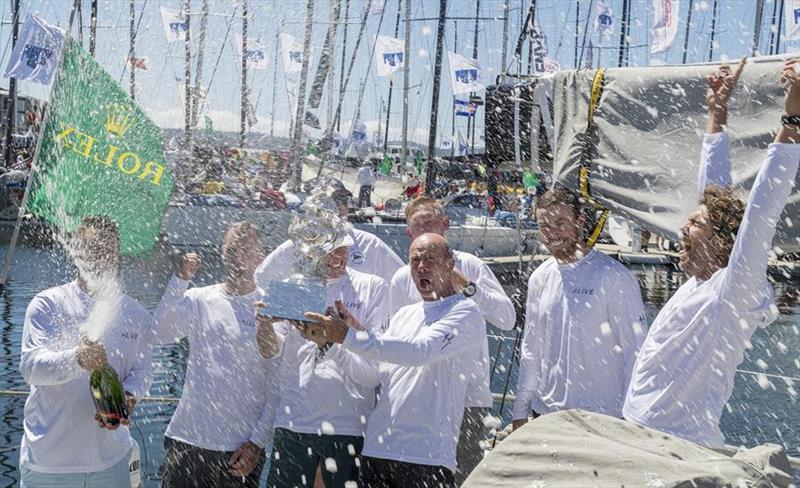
x=763 y=408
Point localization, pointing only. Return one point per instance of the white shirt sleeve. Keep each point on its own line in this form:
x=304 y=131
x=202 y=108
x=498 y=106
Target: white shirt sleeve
x=454 y=334
x=263 y=430
x=359 y=369
x=627 y=318
x=490 y=297
x=39 y=364
x=390 y=262
x=139 y=377
x=715 y=161
x=747 y=265
x=276 y=266
x=529 y=365
x=399 y=290
x=174 y=314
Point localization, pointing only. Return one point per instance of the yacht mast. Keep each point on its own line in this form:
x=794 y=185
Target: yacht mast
x=243 y=108
x=437 y=78
x=296 y=150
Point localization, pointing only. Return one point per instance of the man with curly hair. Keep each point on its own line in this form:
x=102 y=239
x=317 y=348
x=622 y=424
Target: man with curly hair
x=685 y=369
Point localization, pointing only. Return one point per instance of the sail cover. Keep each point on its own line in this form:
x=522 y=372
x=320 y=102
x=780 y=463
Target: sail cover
x=578 y=448
x=649 y=128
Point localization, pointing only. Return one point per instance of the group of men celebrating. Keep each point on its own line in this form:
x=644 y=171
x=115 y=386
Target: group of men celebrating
x=390 y=387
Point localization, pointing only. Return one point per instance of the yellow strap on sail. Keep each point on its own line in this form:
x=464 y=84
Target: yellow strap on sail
x=594 y=101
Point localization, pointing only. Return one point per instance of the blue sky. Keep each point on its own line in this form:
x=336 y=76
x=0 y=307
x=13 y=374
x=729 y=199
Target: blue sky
x=159 y=91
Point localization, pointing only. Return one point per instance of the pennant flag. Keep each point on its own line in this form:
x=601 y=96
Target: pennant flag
x=142 y=63
x=792 y=16
x=389 y=55
x=463 y=148
x=35 y=56
x=377 y=138
x=465 y=74
x=539 y=48
x=464 y=108
x=256 y=53
x=208 y=123
x=251 y=115
x=446 y=144
x=292 y=50
x=358 y=135
x=175 y=24
x=386 y=166
x=100 y=155
x=420 y=164
x=665 y=25
x=377 y=7
x=604 y=19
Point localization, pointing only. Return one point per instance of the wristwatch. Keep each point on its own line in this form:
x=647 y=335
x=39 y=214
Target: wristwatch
x=469 y=290
x=792 y=120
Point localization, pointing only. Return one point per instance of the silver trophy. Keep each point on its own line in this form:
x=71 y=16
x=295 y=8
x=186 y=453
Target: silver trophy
x=315 y=231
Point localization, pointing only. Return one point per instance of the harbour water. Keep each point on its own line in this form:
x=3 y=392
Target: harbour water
x=763 y=408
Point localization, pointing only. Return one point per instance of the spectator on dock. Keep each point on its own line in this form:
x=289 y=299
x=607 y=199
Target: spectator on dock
x=425 y=354
x=64 y=442
x=224 y=419
x=472 y=277
x=583 y=320
x=366 y=182
x=685 y=371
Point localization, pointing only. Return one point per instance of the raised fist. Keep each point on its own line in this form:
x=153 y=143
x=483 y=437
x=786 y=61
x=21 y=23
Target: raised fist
x=188 y=266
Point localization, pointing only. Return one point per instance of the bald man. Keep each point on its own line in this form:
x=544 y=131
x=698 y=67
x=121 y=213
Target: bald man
x=413 y=432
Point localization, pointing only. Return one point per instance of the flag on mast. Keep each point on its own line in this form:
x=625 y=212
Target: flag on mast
x=100 y=155
x=665 y=25
x=292 y=50
x=604 y=19
x=256 y=53
x=465 y=74
x=175 y=24
x=389 y=55
x=792 y=15
x=35 y=55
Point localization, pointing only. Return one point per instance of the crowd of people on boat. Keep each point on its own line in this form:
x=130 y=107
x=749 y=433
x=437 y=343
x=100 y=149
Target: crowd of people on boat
x=390 y=386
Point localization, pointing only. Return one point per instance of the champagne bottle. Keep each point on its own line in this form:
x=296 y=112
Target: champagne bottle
x=108 y=395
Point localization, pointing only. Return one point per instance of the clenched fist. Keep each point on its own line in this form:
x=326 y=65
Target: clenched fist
x=188 y=266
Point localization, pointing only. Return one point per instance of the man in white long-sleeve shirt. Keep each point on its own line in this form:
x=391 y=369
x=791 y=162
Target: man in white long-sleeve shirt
x=413 y=432
x=368 y=254
x=473 y=278
x=685 y=370
x=366 y=181
x=64 y=444
x=327 y=392
x=223 y=422
x=583 y=321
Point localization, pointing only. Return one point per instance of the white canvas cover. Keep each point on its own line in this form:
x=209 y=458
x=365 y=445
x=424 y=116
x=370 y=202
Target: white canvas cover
x=650 y=124
x=575 y=448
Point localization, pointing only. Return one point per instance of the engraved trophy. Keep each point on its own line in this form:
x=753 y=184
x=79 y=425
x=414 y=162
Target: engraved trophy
x=315 y=232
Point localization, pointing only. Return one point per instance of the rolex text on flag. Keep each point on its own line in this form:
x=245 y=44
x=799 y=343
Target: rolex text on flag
x=35 y=56
x=100 y=155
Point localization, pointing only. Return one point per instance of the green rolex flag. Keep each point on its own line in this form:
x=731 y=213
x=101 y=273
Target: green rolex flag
x=386 y=166
x=100 y=155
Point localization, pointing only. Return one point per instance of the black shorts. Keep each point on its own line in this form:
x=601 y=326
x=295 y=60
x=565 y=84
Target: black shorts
x=188 y=466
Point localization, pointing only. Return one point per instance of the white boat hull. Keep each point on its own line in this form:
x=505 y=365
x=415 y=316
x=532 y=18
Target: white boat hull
x=194 y=227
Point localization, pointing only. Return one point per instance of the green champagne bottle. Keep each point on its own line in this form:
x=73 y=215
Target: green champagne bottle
x=108 y=395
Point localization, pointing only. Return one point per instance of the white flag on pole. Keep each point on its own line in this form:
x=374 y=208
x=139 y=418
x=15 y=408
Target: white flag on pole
x=463 y=148
x=465 y=74
x=35 y=56
x=256 y=53
x=446 y=144
x=792 y=15
x=358 y=135
x=604 y=19
x=377 y=7
x=389 y=55
x=175 y=24
x=292 y=50
x=665 y=25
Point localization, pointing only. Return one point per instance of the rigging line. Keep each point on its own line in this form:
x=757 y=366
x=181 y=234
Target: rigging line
x=586 y=31
x=216 y=65
x=770 y=375
x=369 y=67
x=563 y=32
x=135 y=36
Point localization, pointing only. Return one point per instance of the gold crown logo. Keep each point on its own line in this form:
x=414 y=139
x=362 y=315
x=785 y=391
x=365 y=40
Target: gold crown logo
x=118 y=119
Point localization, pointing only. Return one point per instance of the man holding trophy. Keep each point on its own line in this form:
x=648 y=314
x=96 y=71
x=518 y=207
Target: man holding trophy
x=223 y=422
x=327 y=392
x=68 y=442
